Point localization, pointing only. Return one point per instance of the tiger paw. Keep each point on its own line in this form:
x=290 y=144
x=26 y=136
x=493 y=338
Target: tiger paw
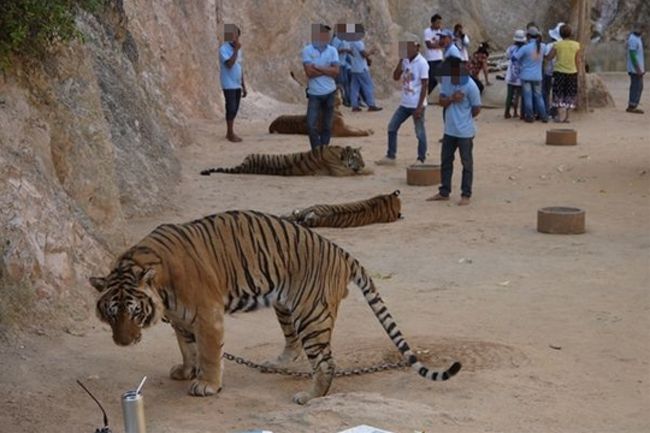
x=182 y=372
x=301 y=398
x=201 y=388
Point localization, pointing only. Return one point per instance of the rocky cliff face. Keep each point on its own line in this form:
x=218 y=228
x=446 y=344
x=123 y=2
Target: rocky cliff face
x=88 y=136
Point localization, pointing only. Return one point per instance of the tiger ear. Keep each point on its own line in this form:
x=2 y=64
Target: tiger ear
x=98 y=283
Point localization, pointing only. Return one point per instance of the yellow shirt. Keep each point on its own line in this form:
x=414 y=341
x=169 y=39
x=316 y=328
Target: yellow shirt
x=565 y=56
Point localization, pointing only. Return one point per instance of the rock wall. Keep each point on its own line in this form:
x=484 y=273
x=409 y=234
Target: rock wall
x=88 y=138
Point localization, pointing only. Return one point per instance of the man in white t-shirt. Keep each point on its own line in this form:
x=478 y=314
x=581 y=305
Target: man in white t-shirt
x=412 y=71
x=433 y=52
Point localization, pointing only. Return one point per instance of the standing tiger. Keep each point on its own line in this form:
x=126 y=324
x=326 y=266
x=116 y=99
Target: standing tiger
x=192 y=274
x=323 y=161
x=380 y=209
x=297 y=124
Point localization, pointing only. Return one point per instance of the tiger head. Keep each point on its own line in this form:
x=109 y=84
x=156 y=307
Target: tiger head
x=352 y=159
x=128 y=300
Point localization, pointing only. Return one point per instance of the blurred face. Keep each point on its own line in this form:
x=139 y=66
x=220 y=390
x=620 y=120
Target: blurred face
x=408 y=49
x=230 y=33
x=445 y=41
x=319 y=35
x=436 y=24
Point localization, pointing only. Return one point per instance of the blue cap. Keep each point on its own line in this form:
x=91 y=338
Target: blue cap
x=446 y=32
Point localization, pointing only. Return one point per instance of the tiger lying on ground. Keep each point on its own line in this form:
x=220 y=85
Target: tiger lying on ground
x=323 y=161
x=192 y=274
x=380 y=209
x=297 y=124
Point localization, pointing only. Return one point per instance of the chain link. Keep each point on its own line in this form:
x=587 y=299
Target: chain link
x=358 y=371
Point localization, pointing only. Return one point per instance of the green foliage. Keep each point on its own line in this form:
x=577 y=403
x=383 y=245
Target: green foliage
x=30 y=28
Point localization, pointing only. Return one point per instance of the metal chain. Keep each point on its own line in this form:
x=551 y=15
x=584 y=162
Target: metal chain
x=305 y=374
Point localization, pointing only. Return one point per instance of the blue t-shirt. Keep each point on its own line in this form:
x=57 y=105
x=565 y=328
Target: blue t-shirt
x=634 y=43
x=326 y=57
x=458 y=115
x=453 y=51
x=530 y=61
x=230 y=77
x=358 y=63
x=340 y=44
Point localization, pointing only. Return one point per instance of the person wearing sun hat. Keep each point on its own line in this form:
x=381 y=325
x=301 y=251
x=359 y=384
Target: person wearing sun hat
x=530 y=57
x=566 y=53
x=549 y=63
x=513 y=72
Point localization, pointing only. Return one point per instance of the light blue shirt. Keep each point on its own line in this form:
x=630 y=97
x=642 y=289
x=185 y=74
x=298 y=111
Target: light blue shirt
x=458 y=115
x=358 y=63
x=230 y=77
x=634 y=43
x=340 y=44
x=530 y=61
x=328 y=56
x=453 y=51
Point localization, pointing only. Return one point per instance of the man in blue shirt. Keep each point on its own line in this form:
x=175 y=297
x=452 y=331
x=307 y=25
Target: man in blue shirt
x=636 y=69
x=231 y=76
x=461 y=99
x=321 y=63
x=360 y=79
x=343 y=48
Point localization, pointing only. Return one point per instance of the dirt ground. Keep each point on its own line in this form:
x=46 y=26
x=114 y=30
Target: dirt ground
x=552 y=330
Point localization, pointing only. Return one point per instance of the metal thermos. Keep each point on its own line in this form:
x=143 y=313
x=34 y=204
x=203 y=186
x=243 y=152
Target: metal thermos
x=133 y=411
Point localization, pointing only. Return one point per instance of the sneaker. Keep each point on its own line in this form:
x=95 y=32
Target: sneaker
x=374 y=108
x=464 y=201
x=386 y=161
x=634 y=110
x=419 y=162
x=356 y=109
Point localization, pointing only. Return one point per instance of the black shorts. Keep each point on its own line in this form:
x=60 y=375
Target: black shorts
x=232 y=96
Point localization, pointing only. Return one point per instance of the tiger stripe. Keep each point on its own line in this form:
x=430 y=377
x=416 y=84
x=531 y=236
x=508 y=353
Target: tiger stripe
x=323 y=161
x=192 y=274
x=379 y=209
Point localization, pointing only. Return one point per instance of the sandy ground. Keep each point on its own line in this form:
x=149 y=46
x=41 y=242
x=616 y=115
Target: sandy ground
x=553 y=330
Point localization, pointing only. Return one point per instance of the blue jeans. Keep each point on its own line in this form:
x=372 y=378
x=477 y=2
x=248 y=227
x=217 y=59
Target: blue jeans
x=636 y=89
x=399 y=117
x=547 y=85
x=362 y=82
x=320 y=106
x=531 y=92
x=449 y=146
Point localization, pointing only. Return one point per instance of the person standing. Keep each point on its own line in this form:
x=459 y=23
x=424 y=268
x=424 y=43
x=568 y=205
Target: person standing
x=231 y=77
x=434 y=52
x=512 y=75
x=566 y=53
x=461 y=40
x=343 y=48
x=321 y=63
x=530 y=57
x=413 y=71
x=462 y=100
x=635 y=69
x=361 y=81
x=548 y=67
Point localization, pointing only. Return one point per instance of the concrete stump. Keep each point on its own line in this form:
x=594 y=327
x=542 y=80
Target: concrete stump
x=561 y=220
x=562 y=137
x=423 y=175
